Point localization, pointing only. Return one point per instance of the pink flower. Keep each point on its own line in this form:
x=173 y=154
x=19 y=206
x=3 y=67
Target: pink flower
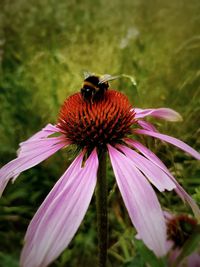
x=179 y=229
x=92 y=125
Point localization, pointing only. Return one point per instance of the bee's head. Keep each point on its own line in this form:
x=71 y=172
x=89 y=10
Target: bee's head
x=95 y=81
x=95 y=86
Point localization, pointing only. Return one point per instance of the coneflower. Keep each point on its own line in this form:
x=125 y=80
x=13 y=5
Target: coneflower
x=97 y=126
x=180 y=229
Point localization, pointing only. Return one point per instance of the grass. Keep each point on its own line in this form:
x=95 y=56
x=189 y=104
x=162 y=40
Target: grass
x=44 y=48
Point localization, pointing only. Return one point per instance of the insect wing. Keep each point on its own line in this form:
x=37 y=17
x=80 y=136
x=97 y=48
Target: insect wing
x=87 y=74
x=107 y=78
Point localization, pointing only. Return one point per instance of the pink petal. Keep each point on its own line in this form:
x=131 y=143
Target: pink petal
x=60 y=215
x=168 y=216
x=141 y=202
x=163 y=113
x=147 y=125
x=156 y=176
x=173 y=254
x=147 y=153
x=179 y=190
x=31 y=146
x=33 y=151
x=176 y=142
x=18 y=165
x=72 y=169
x=46 y=131
x=193 y=260
x=170 y=244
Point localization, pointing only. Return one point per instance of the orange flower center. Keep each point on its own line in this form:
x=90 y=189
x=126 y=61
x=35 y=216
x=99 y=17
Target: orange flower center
x=96 y=123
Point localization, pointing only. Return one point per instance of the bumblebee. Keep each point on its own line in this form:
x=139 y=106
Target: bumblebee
x=94 y=87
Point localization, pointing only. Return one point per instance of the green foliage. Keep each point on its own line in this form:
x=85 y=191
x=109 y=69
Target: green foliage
x=8 y=260
x=144 y=257
x=44 y=48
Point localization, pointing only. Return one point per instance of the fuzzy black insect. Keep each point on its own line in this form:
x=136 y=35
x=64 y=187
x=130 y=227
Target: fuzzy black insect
x=94 y=87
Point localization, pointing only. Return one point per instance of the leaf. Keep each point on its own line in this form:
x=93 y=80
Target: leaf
x=137 y=261
x=8 y=260
x=145 y=256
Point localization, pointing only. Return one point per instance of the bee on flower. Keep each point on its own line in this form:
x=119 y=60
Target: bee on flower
x=98 y=119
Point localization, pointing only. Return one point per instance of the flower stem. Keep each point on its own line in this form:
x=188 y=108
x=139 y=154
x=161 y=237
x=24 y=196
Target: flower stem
x=101 y=204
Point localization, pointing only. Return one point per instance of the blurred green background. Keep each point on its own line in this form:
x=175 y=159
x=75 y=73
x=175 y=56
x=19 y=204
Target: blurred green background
x=45 y=45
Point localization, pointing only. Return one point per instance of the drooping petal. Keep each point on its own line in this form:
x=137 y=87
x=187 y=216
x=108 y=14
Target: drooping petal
x=33 y=151
x=185 y=196
x=147 y=153
x=172 y=140
x=147 y=125
x=168 y=216
x=141 y=202
x=48 y=130
x=163 y=113
x=31 y=146
x=60 y=215
x=72 y=169
x=179 y=189
x=156 y=175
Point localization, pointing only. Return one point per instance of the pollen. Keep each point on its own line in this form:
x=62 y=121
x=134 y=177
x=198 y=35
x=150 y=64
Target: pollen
x=94 y=124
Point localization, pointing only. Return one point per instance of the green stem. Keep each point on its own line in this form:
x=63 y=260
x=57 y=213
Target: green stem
x=101 y=204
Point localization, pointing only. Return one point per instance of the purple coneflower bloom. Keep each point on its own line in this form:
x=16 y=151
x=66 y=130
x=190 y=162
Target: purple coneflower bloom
x=179 y=229
x=104 y=123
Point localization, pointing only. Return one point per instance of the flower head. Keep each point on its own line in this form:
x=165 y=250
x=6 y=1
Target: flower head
x=95 y=124
x=101 y=122
x=180 y=228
